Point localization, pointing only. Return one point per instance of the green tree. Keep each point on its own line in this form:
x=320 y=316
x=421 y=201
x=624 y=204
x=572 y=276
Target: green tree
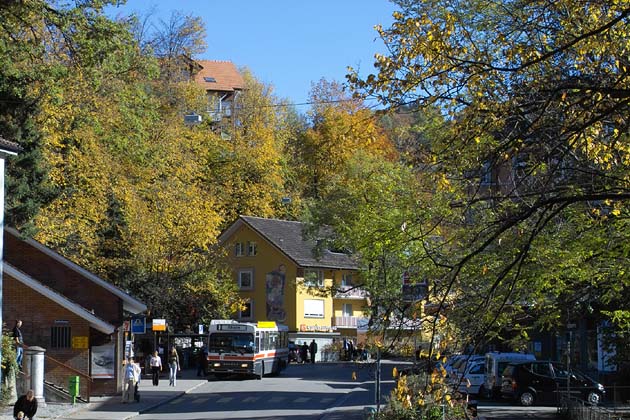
x=536 y=97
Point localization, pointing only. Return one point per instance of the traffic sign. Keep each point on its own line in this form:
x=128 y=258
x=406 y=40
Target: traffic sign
x=138 y=325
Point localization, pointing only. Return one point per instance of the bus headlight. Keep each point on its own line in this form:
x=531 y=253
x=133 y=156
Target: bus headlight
x=244 y=365
x=217 y=364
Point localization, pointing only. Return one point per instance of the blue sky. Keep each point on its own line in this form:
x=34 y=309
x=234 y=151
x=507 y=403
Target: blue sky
x=286 y=43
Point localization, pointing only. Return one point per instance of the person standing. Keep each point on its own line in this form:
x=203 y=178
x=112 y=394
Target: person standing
x=27 y=404
x=156 y=367
x=131 y=377
x=313 y=350
x=304 y=351
x=173 y=366
x=18 y=341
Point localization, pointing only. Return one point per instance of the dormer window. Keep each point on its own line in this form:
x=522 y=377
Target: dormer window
x=210 y=79
x=313 y=278
x=346 y=280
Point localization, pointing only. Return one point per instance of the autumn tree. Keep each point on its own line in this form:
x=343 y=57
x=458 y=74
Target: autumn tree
x=340 y=126
x=39 y=42
x=126 y=173
x=251 y=174
x=536 y=156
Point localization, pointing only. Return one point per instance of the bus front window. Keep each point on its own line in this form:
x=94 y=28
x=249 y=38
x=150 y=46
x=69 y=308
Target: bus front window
x=231 y=342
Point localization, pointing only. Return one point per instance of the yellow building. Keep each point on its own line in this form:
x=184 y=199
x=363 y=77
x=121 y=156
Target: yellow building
x=282 y=279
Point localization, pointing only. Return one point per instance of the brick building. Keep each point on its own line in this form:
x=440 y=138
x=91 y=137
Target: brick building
x=72 y=313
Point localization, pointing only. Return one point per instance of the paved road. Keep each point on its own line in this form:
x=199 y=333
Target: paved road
x=305 y=392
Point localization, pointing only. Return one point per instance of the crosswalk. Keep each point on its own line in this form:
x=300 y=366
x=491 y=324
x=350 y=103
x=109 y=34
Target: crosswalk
x=276 y=400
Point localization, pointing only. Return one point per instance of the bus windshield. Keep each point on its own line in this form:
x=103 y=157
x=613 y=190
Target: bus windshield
x=231 y=342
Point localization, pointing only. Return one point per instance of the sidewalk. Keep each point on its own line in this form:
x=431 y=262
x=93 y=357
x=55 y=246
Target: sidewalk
x=111 y=408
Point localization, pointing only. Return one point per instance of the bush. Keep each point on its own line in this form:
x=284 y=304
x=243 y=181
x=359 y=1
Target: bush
x=424 y=397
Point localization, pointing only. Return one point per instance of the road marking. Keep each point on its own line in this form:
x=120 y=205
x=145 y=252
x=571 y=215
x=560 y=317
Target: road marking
x=225 y=400
x=250 y=399
x=327 y=400
x=276 y=399
x=199 y=400
x=302 y=399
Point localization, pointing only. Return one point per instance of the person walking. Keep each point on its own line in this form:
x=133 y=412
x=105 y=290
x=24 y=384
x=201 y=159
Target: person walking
x=18 y=341
x=131 y=378
x=173 y=366
x=313 y=350
x=27 y=405
x=156 y=367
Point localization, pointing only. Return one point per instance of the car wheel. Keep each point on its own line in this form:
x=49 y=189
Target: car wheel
x=594 y=398
x=526 y=399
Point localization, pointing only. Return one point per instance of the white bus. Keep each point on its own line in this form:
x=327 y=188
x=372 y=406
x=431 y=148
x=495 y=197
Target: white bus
x=247 y=349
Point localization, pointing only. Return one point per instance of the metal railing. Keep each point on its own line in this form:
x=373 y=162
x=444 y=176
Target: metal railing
x=575 y=409
x=86 y=379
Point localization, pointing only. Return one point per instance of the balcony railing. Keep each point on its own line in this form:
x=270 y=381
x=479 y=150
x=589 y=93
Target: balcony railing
x=349 y=292
x=349 y=321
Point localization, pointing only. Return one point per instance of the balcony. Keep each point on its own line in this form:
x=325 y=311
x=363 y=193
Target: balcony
x=350 y=292
x=349 y=321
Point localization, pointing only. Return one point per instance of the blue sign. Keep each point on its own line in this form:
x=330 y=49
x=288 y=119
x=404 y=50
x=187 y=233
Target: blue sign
x=138 y=325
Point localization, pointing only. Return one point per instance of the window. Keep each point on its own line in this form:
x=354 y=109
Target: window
x=252 y=249
x=541 y=369
x=487 y=174
x=314 y=278
x=346 y=280
x=313 y=308
x=210 y=79
x=60 y=337
x=248 y=310
x=239 y=250
x=346 y=309
x=246 y=278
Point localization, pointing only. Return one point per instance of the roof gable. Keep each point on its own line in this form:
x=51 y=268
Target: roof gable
x=219 y=76
x=94 y=321
x=130 y=303
x=8 y=147
x=287 y=236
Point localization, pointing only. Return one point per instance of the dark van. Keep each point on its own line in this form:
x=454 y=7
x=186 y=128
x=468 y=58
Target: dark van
x=543 y=382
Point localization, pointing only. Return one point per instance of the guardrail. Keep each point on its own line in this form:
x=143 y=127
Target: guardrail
x=573 y=408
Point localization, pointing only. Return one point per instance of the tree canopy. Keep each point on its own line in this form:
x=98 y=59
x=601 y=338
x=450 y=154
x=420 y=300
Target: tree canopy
x=534 y=98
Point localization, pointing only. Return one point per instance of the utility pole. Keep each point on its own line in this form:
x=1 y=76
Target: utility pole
x=377 y=383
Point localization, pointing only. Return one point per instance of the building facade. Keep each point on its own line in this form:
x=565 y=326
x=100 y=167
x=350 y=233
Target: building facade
x=283 y=278
x=76 y=316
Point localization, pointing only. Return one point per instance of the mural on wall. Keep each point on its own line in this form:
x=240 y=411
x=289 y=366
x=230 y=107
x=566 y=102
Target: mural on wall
x=275 y=281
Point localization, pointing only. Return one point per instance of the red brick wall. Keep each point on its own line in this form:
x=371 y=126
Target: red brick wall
x=38 y=315
x=62 y=279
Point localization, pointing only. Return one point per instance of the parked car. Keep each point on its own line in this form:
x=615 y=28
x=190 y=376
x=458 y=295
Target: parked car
x=461 y=365
x=495 y=365
x=471 y=382
x=543 y=382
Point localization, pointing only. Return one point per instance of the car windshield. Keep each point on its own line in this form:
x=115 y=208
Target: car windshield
x=231 y=342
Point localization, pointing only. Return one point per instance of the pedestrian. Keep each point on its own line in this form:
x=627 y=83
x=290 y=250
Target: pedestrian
x=131 y=378
x=202 y=362
x=173 y=366
x=350 y=350
x=27 y=405
x=304 y=352
x=18 y=341
x=313 y=350
x=156 y=367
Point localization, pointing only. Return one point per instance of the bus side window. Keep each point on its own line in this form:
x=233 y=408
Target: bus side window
x=257 y=342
